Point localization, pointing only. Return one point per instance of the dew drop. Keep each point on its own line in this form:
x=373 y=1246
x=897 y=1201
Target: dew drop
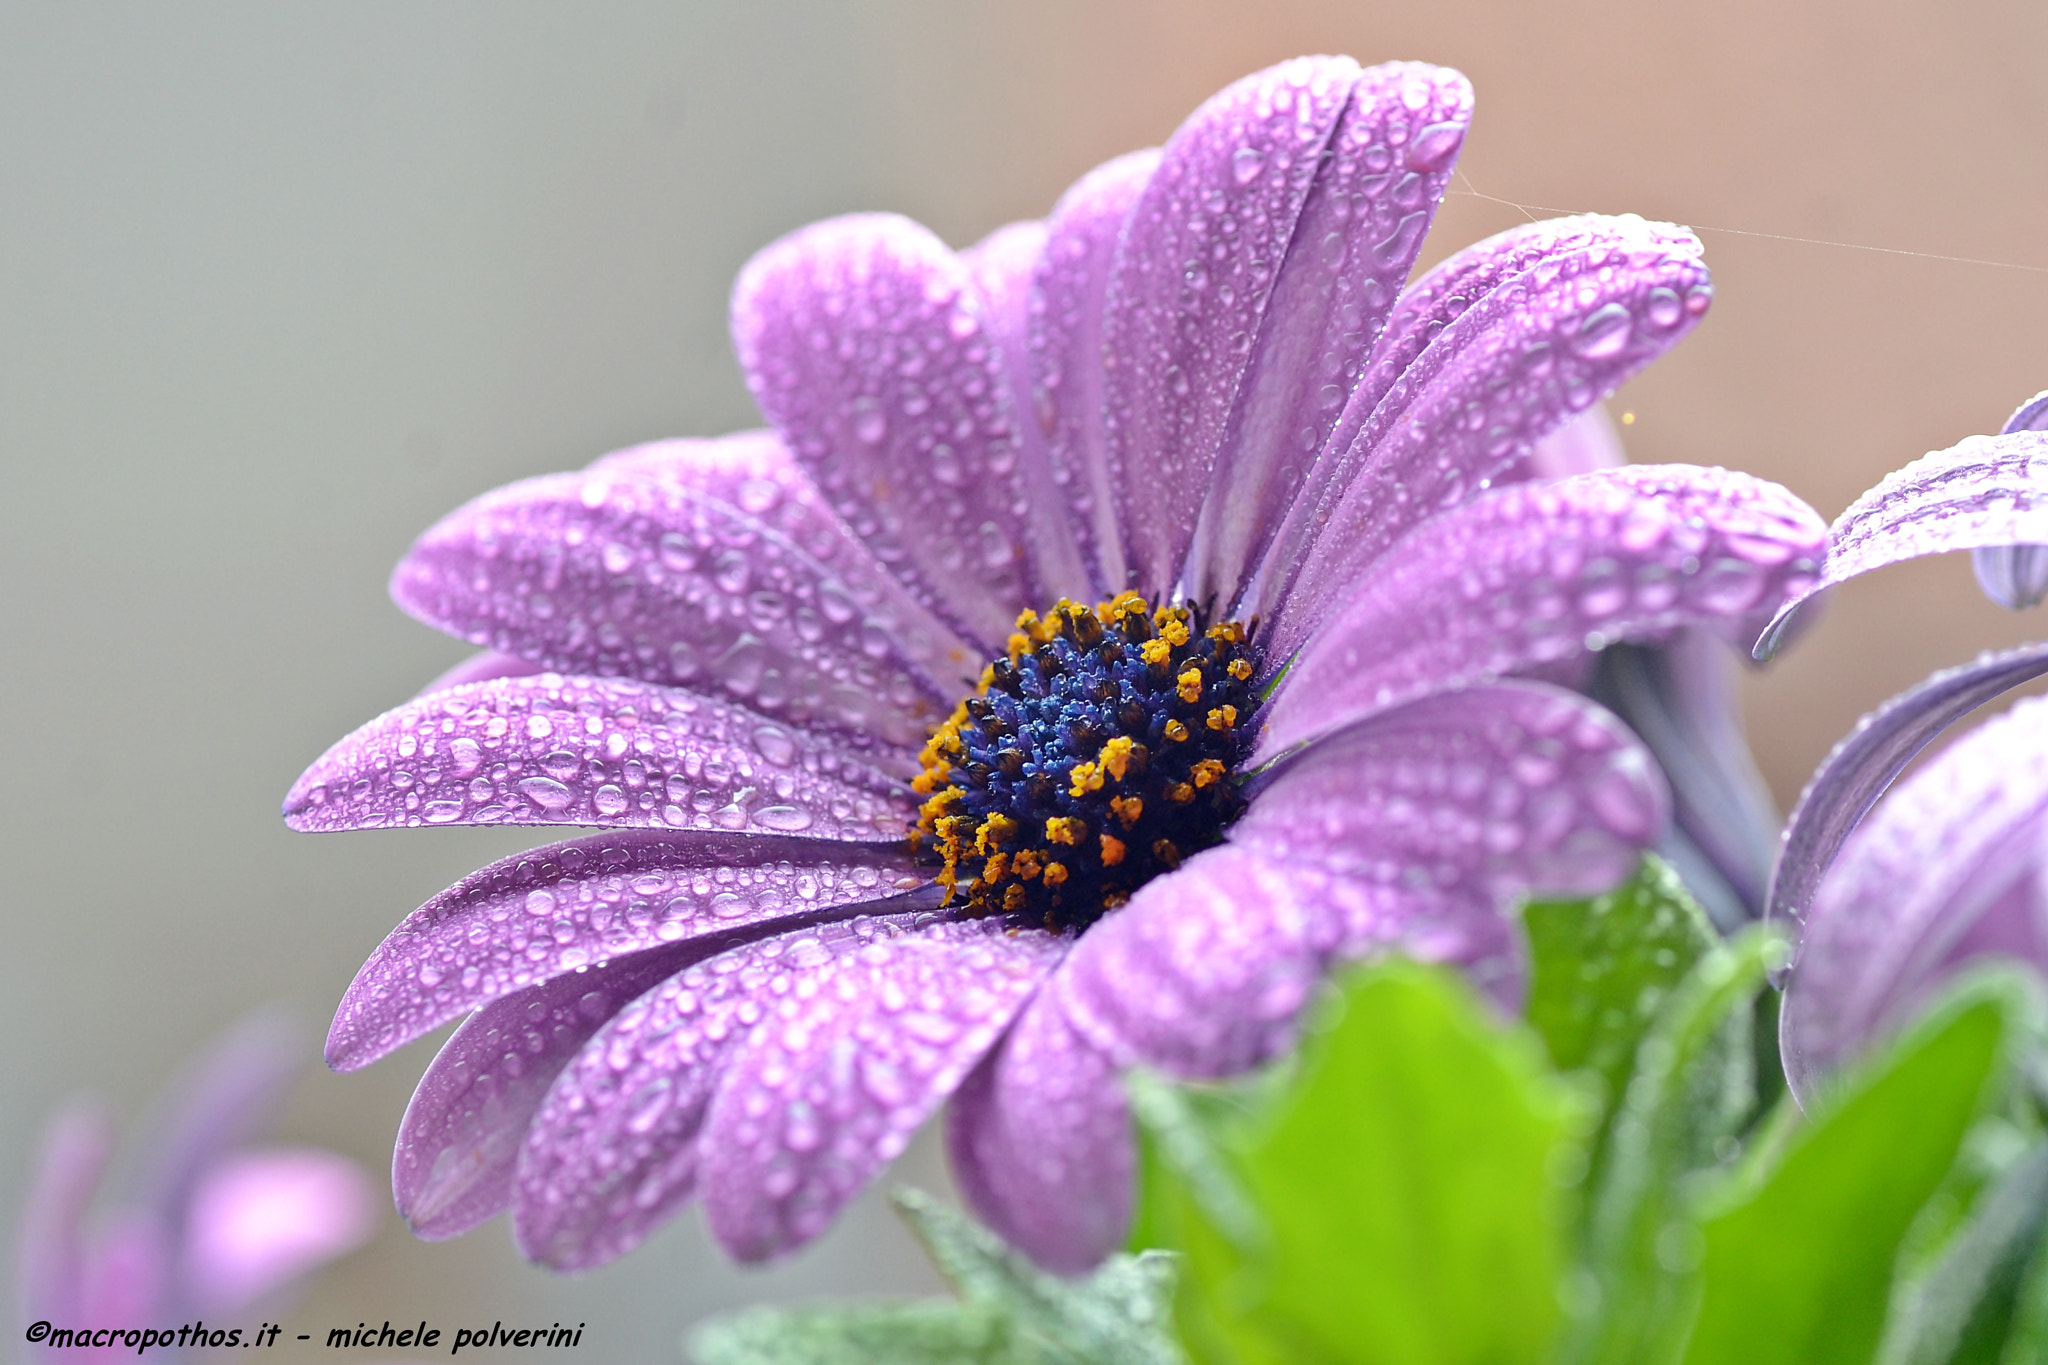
x=1246 y=163
x=1604 y=332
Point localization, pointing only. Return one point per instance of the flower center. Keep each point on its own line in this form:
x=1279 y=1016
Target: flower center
x=1100 y=752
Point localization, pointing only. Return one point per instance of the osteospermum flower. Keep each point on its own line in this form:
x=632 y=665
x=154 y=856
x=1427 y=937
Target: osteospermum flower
x=1119 y=625
x=1947 y=869
x=206 y=1228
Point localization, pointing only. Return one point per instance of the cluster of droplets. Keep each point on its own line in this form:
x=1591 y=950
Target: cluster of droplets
x=550 y=749
x=1100 y=752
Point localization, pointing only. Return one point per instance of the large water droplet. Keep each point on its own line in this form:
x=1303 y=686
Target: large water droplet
x=1604 y=332
x=1246 y=163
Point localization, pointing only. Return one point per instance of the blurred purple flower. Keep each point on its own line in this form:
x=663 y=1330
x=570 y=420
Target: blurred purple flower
x=1947 y=869
x=207 y=1227
x=1199 y=385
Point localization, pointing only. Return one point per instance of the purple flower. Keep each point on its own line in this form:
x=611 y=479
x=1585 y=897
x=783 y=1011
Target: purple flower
x=1946 y=870
x=1299 y=726
x=207 y=1228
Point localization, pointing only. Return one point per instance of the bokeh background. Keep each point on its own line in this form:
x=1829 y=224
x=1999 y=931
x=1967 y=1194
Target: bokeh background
x=279 y=285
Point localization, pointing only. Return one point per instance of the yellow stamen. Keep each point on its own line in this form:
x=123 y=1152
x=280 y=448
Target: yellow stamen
x=1085 y=778
x=1026 y=864
x=997 y=829
x=1155 y=651
x=1065 y=829
x=1176 y=732
x=1189 y=683
x=1208 y=772
x=1240 y=669
x=1180 y=793
x=1116 y=756
x=1128 y=809
x=1055 y=873
x=1223 y=717
x=1112 y=850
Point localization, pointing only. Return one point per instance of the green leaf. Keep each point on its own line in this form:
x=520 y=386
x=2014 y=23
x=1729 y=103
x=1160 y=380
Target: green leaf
x=1601 y=969
x=1799 y=1268
x=932 y=1333
x=1961 y=1308
x=1410 y=1191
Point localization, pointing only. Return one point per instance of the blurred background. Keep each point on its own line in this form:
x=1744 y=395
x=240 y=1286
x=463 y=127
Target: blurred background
x=280 y=285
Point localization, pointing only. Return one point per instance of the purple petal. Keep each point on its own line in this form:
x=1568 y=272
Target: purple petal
x=1507 y=789
x=1512 y=368
x=77 y=1143
x=1583 y=444
x=485 y=666
x=216 y=1102
x=554 y=750
x=1203 y=973
x=552 y=910
x=1040 y=1141
x=1985 y=491
x=1959 y=840
x=1065 y=343
x=1539 y=572
x=2016 y=576
x=866 y=344
x=459 y=1143
x=613 y=1151
x=1850 y=780
x=1195 y=269
x=622 y=574
x=1375 y=190
x=1002 y=265
x=754 y=472
x=833 y=1083
x=260 y=1220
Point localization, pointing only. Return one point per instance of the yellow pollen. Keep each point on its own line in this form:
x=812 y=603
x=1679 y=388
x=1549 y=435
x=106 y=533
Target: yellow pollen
x=1240 y=669
x=1013 y=897
x=1065 y=829
x=1176 y=732
x=1180 y=793
x=1223 y=717
x=1128 y=809
x=1085 y=778
x=1026 y=864
x=1166 y=852
x=1112 y=850
x=1116 y=756
x=997 y=829
x=1208 y=772
x=1190 y=684
x=1228 y=631
x=1155 y=651
x=1174 y=631
x=992 y=871
x=1055 y=873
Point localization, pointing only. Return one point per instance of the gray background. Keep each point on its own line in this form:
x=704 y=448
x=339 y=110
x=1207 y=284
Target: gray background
x=279 y=285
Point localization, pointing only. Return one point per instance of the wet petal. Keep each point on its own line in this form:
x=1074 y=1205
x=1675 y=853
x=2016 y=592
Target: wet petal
x=1203 y=974
x=1065 y=341
x=1957 y=841
x=866 y=343
x=1983 y=492
x=833 y=1083
x=1003 y=264
x=2016 y=576
x=1041 y=1144
x=622 y=574
x=1585 y=443
x=483 y=667
x=1505 y=789
x=753 y=472
x=1511 y=369
x=552 y=910
x=260 y=1220
x=1678 y=696
x=1850 y=780
x=554 y=750
x=613 y=1151
x=459 y=1143
x=1539 y=572
x=1381 y=177
x=1194 y=272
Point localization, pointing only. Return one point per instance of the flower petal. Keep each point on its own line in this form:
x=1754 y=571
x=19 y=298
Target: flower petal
x=1003 y=264
x=867 y=345
x=1375 y=190
x=753 y=472
x=1194 y=271
x=2016 y=576
x=834 y=1082
x=552 y=910
x=1957 y=841
x=613 y=1150
x=1065 y=341
x=1539 y=572
x=1851 y=779
x=216 y=1102
x=458 y=1145
x=1203 y=974
x=554 y=750
x=260 y=1220
x=619 y=574
x=1583 y=444
x=1512 y=368
x=1507 y=789
x=1041 y=1143
x=483 y=667
x=77 y=1144
x=1984 y=491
